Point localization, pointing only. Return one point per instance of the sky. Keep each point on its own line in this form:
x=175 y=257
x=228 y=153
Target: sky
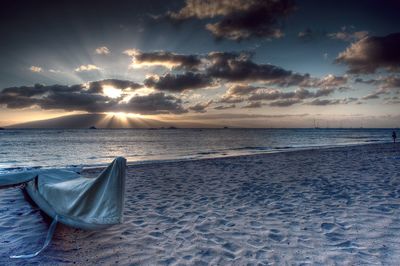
x=254 y=63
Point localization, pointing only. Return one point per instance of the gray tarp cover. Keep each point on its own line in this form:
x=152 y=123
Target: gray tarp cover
x=72 y=197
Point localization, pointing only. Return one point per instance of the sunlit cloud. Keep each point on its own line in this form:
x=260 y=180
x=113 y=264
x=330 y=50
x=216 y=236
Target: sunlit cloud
x=103 y=50
x=88 y=67
x=162 y=58
x=35 y=69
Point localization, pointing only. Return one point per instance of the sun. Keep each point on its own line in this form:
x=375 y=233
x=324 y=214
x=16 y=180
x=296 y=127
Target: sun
x=122 y=115
x=111 y=91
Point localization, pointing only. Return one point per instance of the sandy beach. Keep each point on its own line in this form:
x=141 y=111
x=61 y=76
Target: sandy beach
x=322 y=206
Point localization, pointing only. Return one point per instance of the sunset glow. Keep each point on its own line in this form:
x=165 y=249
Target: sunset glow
x=111 y=91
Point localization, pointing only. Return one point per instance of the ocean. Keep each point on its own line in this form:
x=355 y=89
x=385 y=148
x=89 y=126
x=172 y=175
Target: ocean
x=36 y=148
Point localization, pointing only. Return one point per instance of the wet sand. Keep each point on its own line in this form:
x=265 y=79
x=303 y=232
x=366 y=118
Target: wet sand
x=326 y=206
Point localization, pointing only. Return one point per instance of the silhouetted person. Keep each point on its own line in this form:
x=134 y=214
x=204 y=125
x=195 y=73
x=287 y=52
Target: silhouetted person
x=394 y=136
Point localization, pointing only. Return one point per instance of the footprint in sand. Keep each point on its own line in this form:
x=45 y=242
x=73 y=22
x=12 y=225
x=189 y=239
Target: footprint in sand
x=327 y=226
x=275 y=235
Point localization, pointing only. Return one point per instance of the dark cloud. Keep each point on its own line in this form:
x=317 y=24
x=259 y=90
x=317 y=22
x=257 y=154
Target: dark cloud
x=253 y=105
x=224 y=107
x=320 y=102
x=372 y=53
x=269 y=94
x=200 y=107
x=228 y=116
x=179 y=82
x=167 y=59
x=324 y=102
x=70 y=98
x=369 y=81
x=17 y=101
x=376 y=94
x=239 y=67
x=371 y=96
x=155 y=103
x=89 y=98
x=238 y=19
x=37 y=90
x=387 y=85
x=285 y=103
x=391 y=82
x=77 y=101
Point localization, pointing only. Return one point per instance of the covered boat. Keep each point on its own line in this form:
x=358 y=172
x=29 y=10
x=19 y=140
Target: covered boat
x=77 y=201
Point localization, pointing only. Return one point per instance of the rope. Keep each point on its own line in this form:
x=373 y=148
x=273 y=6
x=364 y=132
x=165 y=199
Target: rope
x=49 y=236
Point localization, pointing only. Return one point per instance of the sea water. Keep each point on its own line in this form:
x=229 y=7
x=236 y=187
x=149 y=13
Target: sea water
x=34 y=148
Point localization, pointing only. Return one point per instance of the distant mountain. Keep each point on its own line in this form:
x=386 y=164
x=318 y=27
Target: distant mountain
x=100 y=121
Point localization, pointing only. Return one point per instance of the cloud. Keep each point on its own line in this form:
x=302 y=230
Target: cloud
x=161 y=58
x=154 y=103
x=372 y=53
x=224 y=107
x=233 y=67
x=387 y=85
x=179 y=82
x=103 y=50
x=250 y=93
x=325 y=102
x=374 y=95
x=231 y=116
x=90 y=98
x=54 y=71
x=238 y=19
x=228 y=98
x=392 y=100
x=330 y=81
x=307 y=34
x=285 y=103
x=85 y=68
x=35 y=69
x=241 y=90
x=200 y=107
x=348 y=35
x=391 y=82
x=253 y=105
x=97 y=86
x=236 y=67
x=369 y=81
